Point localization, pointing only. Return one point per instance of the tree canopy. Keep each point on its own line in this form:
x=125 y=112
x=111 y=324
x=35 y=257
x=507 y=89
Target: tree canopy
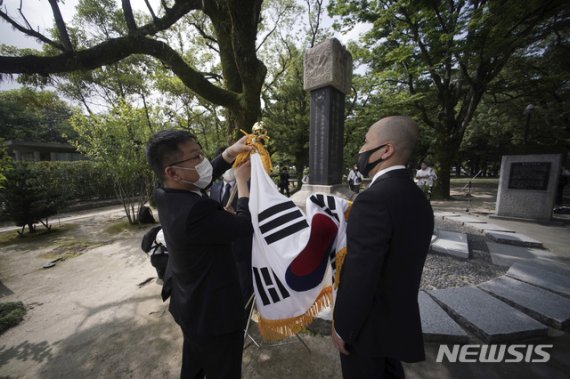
x=102 y=34
x=445 y=55
x=38 y=116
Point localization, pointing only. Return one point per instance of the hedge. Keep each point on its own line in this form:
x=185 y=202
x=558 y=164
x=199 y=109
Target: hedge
x=68 y=181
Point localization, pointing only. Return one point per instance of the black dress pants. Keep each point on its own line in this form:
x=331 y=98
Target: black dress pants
x=213 y=356
x=355 y=366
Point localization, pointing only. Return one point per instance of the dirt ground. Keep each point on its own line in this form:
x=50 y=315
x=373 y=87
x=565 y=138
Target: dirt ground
x=91 y=316
x=98 y=314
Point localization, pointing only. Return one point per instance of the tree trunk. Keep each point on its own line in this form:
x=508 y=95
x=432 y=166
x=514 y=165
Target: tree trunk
x=444 y=153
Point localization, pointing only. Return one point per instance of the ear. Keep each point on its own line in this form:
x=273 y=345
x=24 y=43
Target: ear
x=170 y=173
x=388 y=152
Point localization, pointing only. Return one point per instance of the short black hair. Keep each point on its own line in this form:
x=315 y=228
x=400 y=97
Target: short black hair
x=163 y=147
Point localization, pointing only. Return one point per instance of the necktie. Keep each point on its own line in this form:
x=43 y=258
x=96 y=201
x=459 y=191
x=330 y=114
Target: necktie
x=226 y=195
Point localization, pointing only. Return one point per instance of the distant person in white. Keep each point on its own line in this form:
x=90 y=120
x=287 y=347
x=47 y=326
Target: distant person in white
x=354 y=179
x=426 y=175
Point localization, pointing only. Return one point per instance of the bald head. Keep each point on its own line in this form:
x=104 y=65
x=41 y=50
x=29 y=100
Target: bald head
x=400 y=131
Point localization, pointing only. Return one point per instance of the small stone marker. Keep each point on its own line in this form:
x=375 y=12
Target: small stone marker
x=540 y=277
x=506 y=255
x=437 y=326
x=517 y=239
x=451 y=243
x=547 y=307
x=487 y=317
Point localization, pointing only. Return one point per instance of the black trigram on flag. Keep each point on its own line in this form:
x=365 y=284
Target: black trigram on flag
x=330 y=206
x=332 y=260
x=269 y=287
x=280 y=221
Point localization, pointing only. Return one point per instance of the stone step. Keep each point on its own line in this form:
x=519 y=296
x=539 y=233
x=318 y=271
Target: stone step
x=487 y=317
x=507 y=255
x=545 y=306
x=517 y=239
x=556 y=282
x=437 y=326
x=483 y=228
x=466 y=220
x=445 y=215
x=451 y=243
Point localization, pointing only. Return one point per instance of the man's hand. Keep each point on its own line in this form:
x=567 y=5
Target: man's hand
x=339 y=343
x=243 y=173
x=234 y=150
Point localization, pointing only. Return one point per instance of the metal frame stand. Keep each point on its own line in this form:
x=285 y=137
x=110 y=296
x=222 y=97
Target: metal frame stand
x=468 y=194
x=260 y=344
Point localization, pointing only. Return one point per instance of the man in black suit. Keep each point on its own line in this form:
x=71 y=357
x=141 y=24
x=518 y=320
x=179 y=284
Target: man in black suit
x=376 y=315
x=205 y=298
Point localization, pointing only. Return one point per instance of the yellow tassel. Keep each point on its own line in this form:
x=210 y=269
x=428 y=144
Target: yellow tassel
x=275 y=330
x=340 y=255
x=257 y=143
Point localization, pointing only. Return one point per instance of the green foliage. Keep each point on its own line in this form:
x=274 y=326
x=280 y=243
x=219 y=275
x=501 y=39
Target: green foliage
x=5 y=163
x=66 y=182
x=116 y=141
x=11 y=314
x=80 y=180
x=28 y=198
x=38 y=116
x=287 y=117
x=441 y=58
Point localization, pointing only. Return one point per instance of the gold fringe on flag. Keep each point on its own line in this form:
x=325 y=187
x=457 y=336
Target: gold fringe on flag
x=340 y=255
x=275 y=330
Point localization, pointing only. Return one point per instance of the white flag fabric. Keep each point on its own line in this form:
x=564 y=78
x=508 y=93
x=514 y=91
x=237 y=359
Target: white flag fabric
x=294 y=255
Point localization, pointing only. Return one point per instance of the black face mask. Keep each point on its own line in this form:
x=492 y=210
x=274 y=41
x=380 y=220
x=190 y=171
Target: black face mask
x=363 y=166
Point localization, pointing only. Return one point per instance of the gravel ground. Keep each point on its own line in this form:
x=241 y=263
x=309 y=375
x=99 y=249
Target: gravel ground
x=442 y=271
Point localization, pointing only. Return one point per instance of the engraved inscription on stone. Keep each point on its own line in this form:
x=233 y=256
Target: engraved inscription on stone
x=328 y=64
x=529 y=175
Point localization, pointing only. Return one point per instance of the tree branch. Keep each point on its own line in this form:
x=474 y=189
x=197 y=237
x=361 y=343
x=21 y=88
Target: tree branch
x=276 y=23
x=128 y=13
x=314 y=28
x=63 y=35
x=171 y=16
x=154 y=18
x=112 y=51
x=30 y=32
x=205 y=36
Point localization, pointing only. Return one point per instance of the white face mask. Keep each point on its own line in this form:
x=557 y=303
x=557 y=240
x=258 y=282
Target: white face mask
x=229 y=175
x=204 y=170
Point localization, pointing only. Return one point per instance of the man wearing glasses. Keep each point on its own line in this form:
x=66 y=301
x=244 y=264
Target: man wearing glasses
x=205 y=291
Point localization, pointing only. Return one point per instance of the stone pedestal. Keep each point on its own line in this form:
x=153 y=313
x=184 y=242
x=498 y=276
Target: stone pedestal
x=328 y=75
x=527 y=186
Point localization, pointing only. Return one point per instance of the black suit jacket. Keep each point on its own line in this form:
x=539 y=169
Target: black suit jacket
x=388 y=235
x=205 y=298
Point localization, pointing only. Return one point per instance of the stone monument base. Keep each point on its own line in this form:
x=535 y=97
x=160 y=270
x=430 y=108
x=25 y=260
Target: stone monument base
x=341 y=190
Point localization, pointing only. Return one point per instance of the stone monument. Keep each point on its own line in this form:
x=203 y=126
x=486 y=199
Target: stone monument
x=527 y=186
x=328 y=77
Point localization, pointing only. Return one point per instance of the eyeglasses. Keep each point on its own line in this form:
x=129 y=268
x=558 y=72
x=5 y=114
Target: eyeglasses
x=199 y=156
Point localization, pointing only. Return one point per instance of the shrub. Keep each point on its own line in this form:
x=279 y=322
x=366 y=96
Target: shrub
x=11 y=314
x=28 y=199
x=36 y=190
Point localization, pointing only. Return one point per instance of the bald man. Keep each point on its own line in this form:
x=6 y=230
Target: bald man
x=376 y=314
